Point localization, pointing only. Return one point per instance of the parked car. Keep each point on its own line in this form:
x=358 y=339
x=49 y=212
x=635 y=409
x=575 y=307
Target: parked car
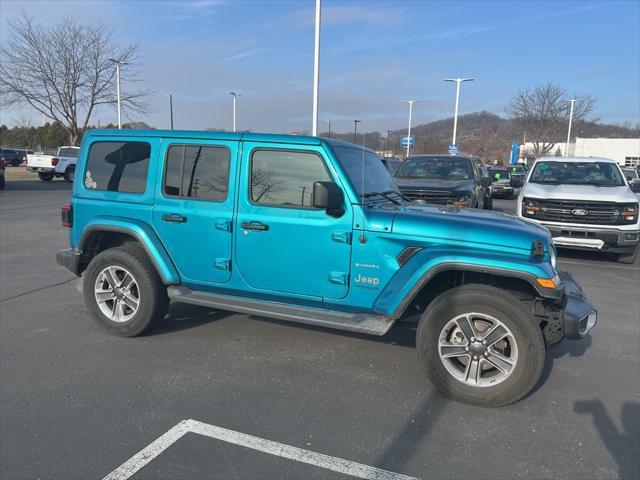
x=443 y=180
x=391 y=163
x=631 y=174
x=12 y=157
x=518 y=174
x=501 y=186
x=63 y=164
x=314 y=230
x=586 y=204
x=2 y=165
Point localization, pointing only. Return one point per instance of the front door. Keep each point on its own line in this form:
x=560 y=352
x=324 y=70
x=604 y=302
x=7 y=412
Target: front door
x=193 y=209
x=283 y=244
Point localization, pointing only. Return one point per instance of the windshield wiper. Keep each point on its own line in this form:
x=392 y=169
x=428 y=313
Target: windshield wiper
x=386 y=195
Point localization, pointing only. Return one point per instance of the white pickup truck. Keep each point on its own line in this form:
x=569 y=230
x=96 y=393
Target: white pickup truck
x=586 y=203
x=63 y=164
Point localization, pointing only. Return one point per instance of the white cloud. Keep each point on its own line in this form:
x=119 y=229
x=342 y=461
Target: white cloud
x=245 y=54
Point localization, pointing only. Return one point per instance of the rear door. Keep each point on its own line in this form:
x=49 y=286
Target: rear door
x=283 y=244
x=194 y=207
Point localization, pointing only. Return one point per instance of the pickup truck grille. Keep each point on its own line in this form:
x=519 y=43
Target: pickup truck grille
x=570 y=211
x=439 y=197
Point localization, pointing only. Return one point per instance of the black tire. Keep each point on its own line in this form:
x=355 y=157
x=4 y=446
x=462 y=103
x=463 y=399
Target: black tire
x=45 y=176
x=153 y=294
x=16 y=163
x=2 y=182
x=627 y=258
x=482 y=299
x=69 y=173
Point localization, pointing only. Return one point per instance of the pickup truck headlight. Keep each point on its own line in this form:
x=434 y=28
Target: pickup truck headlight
x=630 y=213
x=462 y=200
x=530 y=207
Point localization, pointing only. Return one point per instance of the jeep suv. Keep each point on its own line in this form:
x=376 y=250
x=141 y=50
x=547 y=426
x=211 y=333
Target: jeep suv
x=314 y=230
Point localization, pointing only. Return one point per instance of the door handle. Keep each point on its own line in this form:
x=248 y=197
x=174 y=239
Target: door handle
x=174 y=218
x=259 y=226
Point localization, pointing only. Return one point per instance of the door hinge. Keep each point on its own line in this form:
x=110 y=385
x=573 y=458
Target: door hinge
x=341 y=237
x=222 y=264
x=339 y=278
x=224 y=225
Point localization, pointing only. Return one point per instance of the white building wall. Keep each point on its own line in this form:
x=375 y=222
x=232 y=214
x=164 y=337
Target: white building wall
x=625 y=151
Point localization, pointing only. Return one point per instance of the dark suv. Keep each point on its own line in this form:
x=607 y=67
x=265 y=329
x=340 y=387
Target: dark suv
x=444 y=180
x=12 y=157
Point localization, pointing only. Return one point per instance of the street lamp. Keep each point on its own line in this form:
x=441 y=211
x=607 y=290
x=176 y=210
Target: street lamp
x=572 y=101
x=388 y=137
x=410 y=102
x=117 y=64
x=455 y=117
x=316 y=72
x=235 y=96
x=329 y=122
x=355 y=130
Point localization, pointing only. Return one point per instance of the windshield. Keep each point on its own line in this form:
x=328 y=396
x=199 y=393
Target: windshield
x=577 y=173
x=630 y=173
x=436 y=167
x=499 y=174
x=376 y=176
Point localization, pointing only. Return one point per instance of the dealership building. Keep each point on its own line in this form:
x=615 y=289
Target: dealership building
x=625 y=151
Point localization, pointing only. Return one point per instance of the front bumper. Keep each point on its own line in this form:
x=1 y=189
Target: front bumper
x=588 y=238
x=580 y=316
x=69 y=259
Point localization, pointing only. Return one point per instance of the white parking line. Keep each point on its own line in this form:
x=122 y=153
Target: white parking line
x=146 y=455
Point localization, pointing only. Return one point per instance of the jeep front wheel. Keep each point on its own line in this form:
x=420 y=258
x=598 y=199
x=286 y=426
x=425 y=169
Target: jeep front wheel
x=478 y=344
x=123 y=291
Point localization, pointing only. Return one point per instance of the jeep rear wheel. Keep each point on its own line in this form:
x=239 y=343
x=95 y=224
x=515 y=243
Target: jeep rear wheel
x=123 y=291
x=478 y=344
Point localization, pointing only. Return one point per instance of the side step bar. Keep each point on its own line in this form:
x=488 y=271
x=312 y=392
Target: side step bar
x=354 y=322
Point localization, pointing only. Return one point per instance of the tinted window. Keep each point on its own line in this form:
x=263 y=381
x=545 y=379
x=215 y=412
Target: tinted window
x=197 y=171
x=361 y=164
x=118 y=166
x=450 y=168
x=285 y=178
x=68 y=152
x=499 y=174
x=603 y=174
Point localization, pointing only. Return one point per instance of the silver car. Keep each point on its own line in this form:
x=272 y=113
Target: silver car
x=586 y=203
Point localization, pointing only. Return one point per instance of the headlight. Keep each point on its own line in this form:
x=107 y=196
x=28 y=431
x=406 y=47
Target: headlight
x=554 y=256
x=462 y=200
x=630 y=212
x=530 y=207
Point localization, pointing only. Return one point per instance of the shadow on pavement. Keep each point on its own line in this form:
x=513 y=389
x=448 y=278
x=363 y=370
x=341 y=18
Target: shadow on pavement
x=36 y=186
x=182 y=316
x=566 y=254
x=410 y=440
x=569 y=348
x=624 y=445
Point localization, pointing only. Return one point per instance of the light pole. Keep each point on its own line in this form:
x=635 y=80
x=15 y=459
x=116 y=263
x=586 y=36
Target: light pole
x=117 y=64
x=388 y=137
x=455 y=117
x=329 y=122
x=571 y=101
x=410 y=102
x=355 y=130
x=316 y=72
x=235 y=95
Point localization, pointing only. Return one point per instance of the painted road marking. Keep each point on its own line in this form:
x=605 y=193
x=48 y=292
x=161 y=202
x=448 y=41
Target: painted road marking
x=147 y=454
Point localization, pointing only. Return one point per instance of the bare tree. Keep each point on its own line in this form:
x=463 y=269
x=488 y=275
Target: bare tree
x=543 y=113
x=63 y=71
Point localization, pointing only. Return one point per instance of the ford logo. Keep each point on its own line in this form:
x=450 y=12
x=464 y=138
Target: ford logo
x=579 y=212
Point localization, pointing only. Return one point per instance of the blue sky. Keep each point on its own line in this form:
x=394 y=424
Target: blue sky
x=374 y=55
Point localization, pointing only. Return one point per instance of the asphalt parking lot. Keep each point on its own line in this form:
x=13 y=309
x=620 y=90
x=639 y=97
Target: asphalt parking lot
x=77 y=403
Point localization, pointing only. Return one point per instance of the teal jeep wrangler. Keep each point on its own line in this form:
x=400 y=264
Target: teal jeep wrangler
x=314 y=230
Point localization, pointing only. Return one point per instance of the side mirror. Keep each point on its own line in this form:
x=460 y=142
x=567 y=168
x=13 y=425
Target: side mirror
x=328 y=196
x=485 y=181
x=635 y=187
